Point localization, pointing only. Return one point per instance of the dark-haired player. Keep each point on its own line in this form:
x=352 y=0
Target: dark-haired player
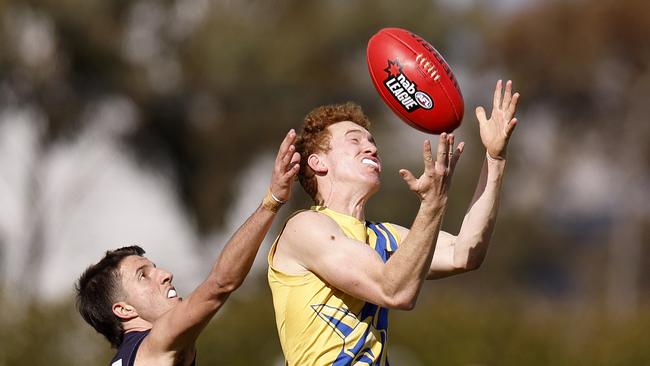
x=135 y=306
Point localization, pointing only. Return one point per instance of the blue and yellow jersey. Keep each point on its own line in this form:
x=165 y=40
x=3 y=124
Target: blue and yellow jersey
x=321 y=325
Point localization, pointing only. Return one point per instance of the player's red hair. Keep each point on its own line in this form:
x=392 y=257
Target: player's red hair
x=315 y=137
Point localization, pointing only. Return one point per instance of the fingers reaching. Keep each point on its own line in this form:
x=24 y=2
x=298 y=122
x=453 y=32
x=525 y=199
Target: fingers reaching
x=409 y=178
x=480 y=115
x=511 y=127
x=286 y=145
x=513 y=105
x=443 y=150
x=294 y=165
x=456 y=155
x=507 y=95
x=496 y=102
x=504 y=104
x=432 y=185
x=289 y=161
x=496 y=131
x=287 y=165
x=504 y=99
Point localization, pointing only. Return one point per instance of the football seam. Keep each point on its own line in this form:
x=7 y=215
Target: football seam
x=451 y=102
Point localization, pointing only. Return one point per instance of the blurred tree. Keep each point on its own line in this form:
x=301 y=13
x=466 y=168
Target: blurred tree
x=590 y=63
x=217 y=83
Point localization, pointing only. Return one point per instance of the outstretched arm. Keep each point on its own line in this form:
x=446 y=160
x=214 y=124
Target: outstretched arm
x=465 y=252
x=177 y=330
x=317 y=243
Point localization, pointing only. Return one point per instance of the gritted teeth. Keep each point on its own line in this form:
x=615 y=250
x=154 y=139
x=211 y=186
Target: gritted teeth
x=370 y=162
x=171 y=293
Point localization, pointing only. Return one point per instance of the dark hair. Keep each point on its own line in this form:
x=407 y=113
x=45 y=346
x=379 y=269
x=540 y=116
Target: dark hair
x=315 y=137
x=98 y=288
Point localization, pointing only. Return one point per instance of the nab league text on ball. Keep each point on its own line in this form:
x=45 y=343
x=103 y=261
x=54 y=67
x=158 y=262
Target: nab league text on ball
x=405 y=92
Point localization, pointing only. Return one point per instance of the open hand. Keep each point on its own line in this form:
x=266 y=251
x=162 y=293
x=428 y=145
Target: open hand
x=287 y=164
x=434 y=183
x=496 y=131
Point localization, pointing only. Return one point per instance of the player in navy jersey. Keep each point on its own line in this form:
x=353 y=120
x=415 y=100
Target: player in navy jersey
x=135 y=306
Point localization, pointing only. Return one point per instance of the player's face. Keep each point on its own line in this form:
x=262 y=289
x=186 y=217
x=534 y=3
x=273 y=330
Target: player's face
x=148 y=289
x=353 y=156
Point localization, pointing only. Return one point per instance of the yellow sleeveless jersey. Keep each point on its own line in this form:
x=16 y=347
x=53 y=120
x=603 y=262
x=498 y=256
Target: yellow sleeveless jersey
x=321 y=325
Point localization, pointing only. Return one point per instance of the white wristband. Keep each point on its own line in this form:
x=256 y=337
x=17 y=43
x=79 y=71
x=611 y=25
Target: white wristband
x=276 y=199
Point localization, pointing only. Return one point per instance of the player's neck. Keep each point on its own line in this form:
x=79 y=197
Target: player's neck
x=136 y=325
x=351 y=203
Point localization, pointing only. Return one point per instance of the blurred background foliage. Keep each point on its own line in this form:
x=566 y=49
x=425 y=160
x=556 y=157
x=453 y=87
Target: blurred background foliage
x=196 y=91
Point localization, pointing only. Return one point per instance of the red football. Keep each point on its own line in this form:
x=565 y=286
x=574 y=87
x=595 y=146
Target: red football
x=415 y=81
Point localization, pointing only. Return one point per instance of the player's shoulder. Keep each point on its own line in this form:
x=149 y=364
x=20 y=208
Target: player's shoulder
x=308 y=224
x=307 y=219
x=303 y=231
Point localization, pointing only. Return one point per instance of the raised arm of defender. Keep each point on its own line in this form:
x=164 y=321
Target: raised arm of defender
x=173 y=335
x=314 y=242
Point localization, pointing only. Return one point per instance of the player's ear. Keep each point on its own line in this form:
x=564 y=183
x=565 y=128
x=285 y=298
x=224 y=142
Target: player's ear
x=317 y=164
x=124 y=311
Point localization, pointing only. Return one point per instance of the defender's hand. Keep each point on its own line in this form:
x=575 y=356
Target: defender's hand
x=434 y=183
x=287 y=164
x=496 y=131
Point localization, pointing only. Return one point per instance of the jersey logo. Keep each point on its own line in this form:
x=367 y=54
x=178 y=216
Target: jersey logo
x=384 y=247
x=363 y=337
